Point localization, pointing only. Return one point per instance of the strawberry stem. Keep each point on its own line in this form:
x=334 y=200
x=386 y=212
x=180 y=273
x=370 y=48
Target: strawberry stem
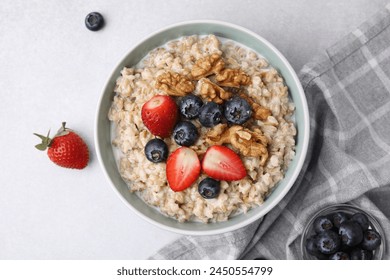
x=46 y=141
x=62 y=130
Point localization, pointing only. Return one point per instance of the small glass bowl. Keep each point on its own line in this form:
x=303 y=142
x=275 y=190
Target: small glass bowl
x=349 y=210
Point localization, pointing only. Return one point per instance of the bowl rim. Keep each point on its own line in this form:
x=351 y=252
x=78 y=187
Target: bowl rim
x=300 y=160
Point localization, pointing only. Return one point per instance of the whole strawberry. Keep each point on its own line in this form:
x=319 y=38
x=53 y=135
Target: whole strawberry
x=65 y=149
x=160 y=115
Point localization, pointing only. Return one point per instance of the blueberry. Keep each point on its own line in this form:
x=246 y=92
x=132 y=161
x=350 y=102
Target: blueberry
x=94 y=21
x=322 y=223
x=346 y=248
x=339 y=256
x=351 y=233
x=237 y=110
x=156 y=150
x=361 y=254
x=328 y=242
x=362 y=220
x=210 y=114
x=312 y=249
x=371 y=240
x=338 y=218
x=185 y=133
x=190 y=106
x=209 y=188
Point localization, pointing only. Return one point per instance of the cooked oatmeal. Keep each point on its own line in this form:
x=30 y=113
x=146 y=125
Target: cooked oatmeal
x=265 y=143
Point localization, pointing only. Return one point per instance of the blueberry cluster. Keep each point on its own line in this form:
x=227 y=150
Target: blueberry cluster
x=340 y=236
x=236 y=110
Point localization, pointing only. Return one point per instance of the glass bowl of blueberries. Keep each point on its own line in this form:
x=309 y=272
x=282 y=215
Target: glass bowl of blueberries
x=343 y=232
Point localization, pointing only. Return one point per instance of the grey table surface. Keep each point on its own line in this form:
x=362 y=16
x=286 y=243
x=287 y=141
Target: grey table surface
x=53 y=69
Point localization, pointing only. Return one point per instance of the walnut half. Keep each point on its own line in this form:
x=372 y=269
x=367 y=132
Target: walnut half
x=206 y=66
x=247 y=142
x=174 y=84
x=212 y=92
x=232 y=78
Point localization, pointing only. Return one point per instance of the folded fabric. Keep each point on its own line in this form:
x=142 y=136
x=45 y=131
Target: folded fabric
x=348 y=93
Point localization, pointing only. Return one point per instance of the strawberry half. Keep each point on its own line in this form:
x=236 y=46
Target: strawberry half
x=66 y=149
x=221 y=163
x=183 y=168
x=159 y=115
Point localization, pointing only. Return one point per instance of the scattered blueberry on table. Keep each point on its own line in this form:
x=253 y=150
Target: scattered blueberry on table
x=94 y=21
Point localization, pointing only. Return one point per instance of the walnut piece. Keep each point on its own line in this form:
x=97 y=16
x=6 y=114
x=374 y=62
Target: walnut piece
x=212 y=92
x=174 y=84
x=249 y=143
x=259 y=112
x=206 y=66
x=232 y=78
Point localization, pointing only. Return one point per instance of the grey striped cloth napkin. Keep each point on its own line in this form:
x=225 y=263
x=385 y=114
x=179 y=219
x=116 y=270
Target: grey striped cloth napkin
x=348 y=92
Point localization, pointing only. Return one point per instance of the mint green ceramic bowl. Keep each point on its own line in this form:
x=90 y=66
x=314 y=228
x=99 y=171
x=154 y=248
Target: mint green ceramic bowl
x=104 y=148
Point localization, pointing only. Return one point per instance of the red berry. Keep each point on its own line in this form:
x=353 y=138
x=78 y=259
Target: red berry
x=183 y=168
x=66 y=149
x=159 y=115
x=221 y=163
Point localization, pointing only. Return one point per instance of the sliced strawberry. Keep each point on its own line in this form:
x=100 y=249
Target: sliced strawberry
x=222 y=163
x=183 y=168
x=159 y=115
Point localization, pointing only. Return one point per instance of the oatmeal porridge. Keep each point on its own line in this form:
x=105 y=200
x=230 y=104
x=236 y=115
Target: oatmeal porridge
x=254 y=128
